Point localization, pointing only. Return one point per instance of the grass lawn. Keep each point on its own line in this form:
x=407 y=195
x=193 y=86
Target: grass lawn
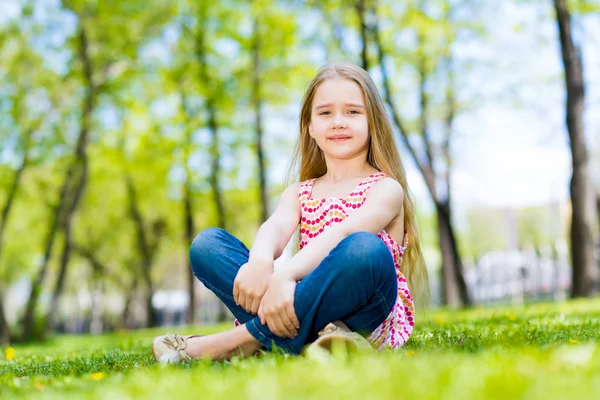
x=547 y=351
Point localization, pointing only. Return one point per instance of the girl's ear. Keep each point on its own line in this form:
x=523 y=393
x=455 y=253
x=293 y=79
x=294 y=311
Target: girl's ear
x=310 y=130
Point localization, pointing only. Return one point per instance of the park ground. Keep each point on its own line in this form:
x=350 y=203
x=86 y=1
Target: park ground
x=542 y=351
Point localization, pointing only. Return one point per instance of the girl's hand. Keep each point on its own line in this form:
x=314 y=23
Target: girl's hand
x=251 y=283
x=277 y=306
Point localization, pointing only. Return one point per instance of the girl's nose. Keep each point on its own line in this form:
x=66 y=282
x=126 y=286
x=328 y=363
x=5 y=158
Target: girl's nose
x=338 y=122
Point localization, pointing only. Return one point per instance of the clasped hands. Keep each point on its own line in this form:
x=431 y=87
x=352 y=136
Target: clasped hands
x=259 y=290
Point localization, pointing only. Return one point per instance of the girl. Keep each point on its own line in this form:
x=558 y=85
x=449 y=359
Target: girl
x=348 y=281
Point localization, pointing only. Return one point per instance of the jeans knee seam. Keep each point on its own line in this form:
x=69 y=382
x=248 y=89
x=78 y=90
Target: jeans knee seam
x=214 y=289
x=263 y=339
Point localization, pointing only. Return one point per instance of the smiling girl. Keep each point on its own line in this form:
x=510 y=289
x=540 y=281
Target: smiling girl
x=359 y=262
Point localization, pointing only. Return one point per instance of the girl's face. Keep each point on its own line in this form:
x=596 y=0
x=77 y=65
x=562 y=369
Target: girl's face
x=339 y=119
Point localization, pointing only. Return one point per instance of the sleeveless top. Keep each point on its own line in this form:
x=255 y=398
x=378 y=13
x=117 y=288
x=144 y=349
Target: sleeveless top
x=319 y=214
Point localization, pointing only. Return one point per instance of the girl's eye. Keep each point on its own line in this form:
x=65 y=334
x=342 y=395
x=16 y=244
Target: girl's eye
x=324 y=113
x=354 y=112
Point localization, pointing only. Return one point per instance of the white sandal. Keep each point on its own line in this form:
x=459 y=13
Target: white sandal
x=337 y=333
x=170 y=348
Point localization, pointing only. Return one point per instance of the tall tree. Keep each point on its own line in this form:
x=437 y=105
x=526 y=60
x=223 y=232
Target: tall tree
x=273 y=67
x=257 y=101
x=79 y=171
x=6 y=210
x=20 y=69
x=69 y=195
x=211 y=109
x=4 y=328
x=212 y=88
x=100 y=56
x=361 y=12
x=585 y=272
x=147 y=246
x=188 y=204
x=598 y=207
x=427 y=64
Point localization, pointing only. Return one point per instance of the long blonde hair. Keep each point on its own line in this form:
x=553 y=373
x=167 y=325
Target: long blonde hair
x=309 y=162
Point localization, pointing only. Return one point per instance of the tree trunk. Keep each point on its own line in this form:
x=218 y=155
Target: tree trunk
x=360 y=11
x=215 y=168
x=189 y=237
x=214 y=139
x=82 y=162
x=4 y=328
x=455 y=290
x=598 y=208
x=28 y=322
x=67 y=247
x=454 y=284
x=454 y=287
x=188 y=210
x=257 y=99
x=582 y=243
x=144 y=248
x=12 y=191
x=127 y=307
x=216 y=190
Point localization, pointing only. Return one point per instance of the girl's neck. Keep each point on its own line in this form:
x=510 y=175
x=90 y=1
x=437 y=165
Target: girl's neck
x=340 y=170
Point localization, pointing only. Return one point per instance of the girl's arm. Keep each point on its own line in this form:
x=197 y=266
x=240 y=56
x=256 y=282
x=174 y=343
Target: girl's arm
x=275 y=233
x=384 y=203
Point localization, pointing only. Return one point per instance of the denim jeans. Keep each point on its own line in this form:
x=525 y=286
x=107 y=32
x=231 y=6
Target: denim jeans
x=355 y=283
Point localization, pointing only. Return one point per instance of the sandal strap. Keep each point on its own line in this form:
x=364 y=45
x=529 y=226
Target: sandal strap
x=178 y=343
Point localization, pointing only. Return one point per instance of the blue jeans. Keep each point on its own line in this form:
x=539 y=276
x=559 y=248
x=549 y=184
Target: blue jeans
x=355 y=283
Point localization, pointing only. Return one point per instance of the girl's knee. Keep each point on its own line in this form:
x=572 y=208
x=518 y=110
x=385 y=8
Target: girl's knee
x=365 y=250
x=204 y=246
x=364 y=245
x=208 y=237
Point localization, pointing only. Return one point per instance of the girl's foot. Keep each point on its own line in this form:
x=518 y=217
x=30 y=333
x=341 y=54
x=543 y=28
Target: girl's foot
x=170 y=348
x=174 y=348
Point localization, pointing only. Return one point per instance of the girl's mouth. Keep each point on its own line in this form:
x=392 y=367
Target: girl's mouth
x=339 y=138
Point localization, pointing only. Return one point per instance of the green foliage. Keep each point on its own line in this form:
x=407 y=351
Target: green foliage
x=584 y=7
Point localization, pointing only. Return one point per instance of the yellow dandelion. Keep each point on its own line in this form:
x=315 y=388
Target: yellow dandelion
x=39 y=385
x=573 y=341
x=512 y=317
x=410 y=353
x=9 y=353
x=97 y=376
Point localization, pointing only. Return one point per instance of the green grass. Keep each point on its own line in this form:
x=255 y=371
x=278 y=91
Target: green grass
x=547 y=351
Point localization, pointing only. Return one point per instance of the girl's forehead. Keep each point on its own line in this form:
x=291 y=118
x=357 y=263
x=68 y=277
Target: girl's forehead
x=338 y=90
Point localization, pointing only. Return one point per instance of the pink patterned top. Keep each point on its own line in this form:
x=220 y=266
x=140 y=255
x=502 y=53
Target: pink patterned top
x=320 y=214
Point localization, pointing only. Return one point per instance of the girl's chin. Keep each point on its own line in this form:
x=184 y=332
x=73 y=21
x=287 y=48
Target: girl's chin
x=342 y=154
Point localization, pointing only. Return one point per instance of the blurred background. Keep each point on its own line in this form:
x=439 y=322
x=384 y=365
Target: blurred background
x=126 y=127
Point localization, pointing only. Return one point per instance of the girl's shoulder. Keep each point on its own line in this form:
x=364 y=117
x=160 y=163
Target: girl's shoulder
x=389 y=185
x=384 y=189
